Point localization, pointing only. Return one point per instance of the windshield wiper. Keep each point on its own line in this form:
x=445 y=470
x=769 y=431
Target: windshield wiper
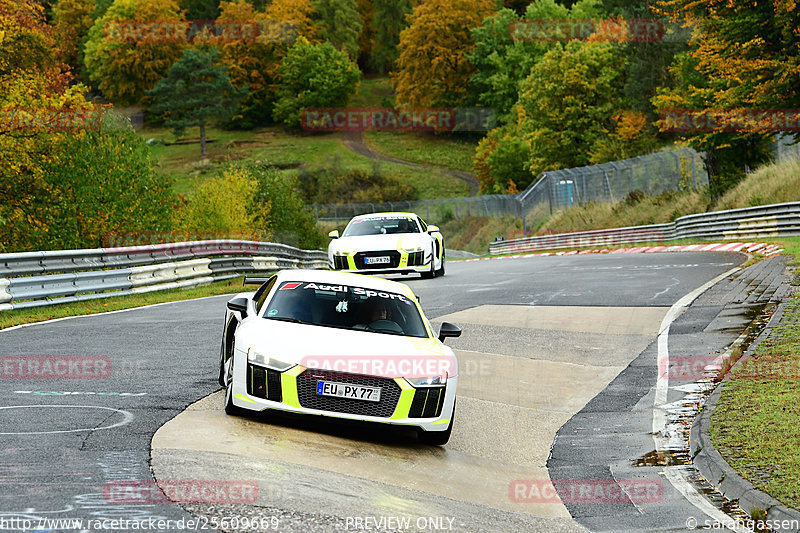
x=287 y=319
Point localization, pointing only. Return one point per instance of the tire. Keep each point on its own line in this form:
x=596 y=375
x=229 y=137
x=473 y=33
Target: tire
x=221 y=378
x=440 y=271
x=437 y=438
x=230 y=408
x=432 y=273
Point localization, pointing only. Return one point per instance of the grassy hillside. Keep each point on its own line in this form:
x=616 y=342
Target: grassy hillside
x=773 y=183
x=274 y=145
x=769 y=184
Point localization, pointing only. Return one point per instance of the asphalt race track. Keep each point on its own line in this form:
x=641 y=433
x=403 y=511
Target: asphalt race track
x=555 y=350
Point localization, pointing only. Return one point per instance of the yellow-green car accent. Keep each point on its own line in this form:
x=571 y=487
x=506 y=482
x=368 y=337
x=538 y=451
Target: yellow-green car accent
x=289 y=385
x=406 y=397
x=243 y=398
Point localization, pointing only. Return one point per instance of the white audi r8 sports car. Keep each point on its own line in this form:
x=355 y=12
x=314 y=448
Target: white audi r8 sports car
x=388 y=243
x=339 y=345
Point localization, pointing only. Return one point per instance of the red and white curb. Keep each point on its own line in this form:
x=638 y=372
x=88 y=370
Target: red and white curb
x=767 y=250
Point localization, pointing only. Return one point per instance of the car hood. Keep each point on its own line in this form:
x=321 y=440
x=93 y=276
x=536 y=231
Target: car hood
x=378 y=242
x=358 y=352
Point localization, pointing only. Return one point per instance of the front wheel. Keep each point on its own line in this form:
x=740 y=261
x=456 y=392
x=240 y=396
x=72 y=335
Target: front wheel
x=432 y=273
x=440 y=271
x=230 y=408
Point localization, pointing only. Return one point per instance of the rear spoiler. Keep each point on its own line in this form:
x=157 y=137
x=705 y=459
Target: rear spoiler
x=252 y=280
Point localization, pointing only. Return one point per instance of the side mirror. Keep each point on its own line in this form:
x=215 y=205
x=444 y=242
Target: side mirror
x=334 y=234
x=433 y=229
x=448 y=330
x=238 y=304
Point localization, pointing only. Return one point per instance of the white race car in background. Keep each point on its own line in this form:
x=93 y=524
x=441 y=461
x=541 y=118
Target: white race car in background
x=388 y=243
x=339 y=345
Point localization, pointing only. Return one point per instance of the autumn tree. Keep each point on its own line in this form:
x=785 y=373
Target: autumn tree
x=339 y=23
x=124 y=64
x=35 y=98
x=741 y=56
x=68 y=174
x=432 y=67
x=103 y=182
x=295 y=16
x=224 y=204
x=568 y=102
x=389 y=18
x=505 y=52
x=200 y=9
x=366 y=37
x=195 y=91
x=648 y=60
x=289 y=220
x=72 y=20
x=314 y=75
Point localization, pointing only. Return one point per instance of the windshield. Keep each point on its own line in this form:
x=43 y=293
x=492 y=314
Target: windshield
x=342 y=306
x=380 y=226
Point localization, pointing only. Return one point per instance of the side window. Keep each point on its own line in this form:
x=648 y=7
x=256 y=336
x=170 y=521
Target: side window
x=261 y=295
x=424 y=225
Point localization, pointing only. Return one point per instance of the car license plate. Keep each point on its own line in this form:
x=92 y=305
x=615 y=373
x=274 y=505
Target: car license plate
x=348 y=390
x=384 y=259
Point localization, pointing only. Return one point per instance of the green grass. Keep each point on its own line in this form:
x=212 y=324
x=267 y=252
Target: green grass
x=770 y=184
x=182 y=162
x=26 y=316
x=649 y=210
x=373 y=92
x=424 y=147
x=756 y=423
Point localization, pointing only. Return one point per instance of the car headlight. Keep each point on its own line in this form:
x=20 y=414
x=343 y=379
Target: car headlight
x=428 y=382
x=262 y=359
x=412 y=249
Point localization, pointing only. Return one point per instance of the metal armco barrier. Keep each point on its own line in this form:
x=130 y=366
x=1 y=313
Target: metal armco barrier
x=35 y=279
x=777 y=220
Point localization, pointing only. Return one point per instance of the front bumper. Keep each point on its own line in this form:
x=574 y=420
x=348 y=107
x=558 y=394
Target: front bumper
x=400 y=262
x=256 y=388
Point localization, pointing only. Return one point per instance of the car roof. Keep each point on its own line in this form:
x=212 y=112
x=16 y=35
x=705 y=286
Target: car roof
x=387 y=214
x=344 y=278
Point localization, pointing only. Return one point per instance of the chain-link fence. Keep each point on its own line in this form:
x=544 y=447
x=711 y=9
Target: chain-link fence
x=786 y=146
x=608 y=182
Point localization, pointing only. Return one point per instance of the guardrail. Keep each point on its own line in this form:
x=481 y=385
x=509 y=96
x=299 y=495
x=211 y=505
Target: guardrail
x=35 y=279
x=776 y=220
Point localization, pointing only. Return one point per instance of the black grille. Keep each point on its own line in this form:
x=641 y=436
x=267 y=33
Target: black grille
x=264 y=383
x=427 y=402
x=340 y=262
x=416 y=259
x=394 y=260
x=307 y=393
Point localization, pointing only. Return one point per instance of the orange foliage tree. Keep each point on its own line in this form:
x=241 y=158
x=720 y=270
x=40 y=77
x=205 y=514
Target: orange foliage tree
x=432 y=69
x=742 y=55
x=125 y=55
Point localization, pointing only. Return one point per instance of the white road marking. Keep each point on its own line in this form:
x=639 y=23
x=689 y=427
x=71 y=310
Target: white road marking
x=673 y=474
x=127 y=419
